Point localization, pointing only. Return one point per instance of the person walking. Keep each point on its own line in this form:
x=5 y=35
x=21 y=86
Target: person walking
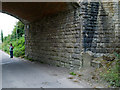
x=11 y=50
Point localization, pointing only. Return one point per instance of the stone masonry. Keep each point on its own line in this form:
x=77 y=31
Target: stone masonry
x=61 y=38
x=56 y=40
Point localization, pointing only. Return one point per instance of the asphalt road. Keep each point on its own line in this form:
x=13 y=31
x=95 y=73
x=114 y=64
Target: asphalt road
x=20 y=73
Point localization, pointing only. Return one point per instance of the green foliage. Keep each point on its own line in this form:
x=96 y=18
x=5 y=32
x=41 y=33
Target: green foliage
x=17 y=39
x=1 y=35
x=117 y=55
x=5 y=47
x=112 y=75
x=72 y=73
x=18 y=30
x=0 y=46
x=19 y=47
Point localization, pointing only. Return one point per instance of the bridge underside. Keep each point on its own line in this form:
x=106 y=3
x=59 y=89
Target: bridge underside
x=32 y=11
x=58 y=33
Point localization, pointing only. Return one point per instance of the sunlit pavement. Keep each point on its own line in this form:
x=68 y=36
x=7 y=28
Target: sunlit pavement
x=20 y=73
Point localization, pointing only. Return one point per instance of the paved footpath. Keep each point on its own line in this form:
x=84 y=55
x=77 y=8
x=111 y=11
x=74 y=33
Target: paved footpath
x=20 y=73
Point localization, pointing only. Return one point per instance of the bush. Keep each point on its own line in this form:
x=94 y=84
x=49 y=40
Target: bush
x=19 y=47
x=112 y=74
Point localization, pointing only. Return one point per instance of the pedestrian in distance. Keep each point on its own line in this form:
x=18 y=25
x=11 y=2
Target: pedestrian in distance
x=11 y=50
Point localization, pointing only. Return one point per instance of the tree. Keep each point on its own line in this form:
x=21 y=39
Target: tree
x=1 y=35
x=18 y=30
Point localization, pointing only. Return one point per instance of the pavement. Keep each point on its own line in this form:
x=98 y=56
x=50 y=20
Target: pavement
x=21 y=73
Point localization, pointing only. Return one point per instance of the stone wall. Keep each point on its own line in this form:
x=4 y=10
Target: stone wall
x=107 y=35
x=101 y=27
x=60 y=39
x=56 y=40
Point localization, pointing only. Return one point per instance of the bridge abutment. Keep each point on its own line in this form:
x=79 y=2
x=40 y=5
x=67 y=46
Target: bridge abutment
x=61 y=39
x=56 y=40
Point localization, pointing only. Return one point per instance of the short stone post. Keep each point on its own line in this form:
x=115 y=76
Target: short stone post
x=87 y=58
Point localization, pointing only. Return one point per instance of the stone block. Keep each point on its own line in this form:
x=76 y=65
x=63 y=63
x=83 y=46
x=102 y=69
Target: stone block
x=87 y=58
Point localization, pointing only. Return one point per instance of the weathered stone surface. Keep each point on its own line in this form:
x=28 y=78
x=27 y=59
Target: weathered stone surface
x=71 y=39
x=55 y=40
x=87 y=59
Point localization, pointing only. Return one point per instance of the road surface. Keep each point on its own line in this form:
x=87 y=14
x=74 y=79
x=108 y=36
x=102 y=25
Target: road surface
x=20 y=73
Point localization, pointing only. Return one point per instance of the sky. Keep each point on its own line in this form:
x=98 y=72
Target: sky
x=7 y=24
